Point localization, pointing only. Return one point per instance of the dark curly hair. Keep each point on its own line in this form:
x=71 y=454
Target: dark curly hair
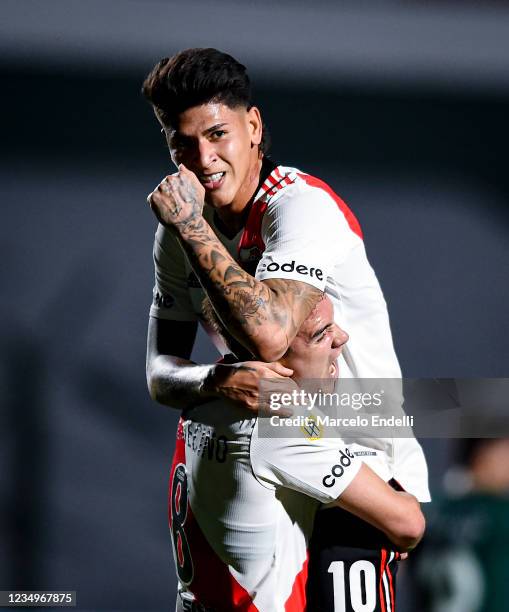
x=194 y=77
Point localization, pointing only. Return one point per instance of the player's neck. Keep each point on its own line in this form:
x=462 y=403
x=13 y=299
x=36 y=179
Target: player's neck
x=230 y=221
x=234 y=216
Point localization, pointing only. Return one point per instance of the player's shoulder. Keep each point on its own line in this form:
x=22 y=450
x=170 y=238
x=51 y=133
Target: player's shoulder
x=287 y=182
x=290 y=190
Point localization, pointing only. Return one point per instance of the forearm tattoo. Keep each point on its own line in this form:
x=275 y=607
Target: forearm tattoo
x=245 y=305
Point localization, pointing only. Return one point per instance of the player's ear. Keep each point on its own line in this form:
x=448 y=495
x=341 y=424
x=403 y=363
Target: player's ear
x=165 y=131
x=255 y=125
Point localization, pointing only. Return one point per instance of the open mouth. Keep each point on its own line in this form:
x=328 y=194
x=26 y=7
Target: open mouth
x=212 y=181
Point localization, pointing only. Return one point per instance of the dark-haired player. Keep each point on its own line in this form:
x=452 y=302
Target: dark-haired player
x=265 y=241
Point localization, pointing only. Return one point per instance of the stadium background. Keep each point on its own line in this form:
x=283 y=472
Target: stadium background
x=400 y=106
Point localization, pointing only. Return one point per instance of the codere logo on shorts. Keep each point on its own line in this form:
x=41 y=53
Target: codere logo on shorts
x=292 y=267
x=338 y=469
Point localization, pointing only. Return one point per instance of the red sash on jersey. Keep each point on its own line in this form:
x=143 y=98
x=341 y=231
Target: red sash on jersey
x=198 y=566
x=251 y=245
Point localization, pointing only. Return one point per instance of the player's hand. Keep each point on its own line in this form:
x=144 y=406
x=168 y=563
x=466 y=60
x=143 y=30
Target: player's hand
x=178 y=199
x=240 y=383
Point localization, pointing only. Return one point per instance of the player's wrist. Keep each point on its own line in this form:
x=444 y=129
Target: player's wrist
x=189 y=226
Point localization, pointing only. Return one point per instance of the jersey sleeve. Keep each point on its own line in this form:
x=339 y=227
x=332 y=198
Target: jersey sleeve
x=305 y=236
x=171 y=298
x=320 y=468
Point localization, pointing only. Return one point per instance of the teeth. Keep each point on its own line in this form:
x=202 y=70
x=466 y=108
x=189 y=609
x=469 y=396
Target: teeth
x=210 y=178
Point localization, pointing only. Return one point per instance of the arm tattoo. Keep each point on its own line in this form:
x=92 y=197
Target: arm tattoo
x=249 y=308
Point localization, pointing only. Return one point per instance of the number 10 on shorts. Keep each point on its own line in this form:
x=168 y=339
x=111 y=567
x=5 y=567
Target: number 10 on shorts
x=362 y=573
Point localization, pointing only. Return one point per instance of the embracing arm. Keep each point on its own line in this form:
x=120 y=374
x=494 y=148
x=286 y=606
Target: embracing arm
x=174 y=380
x=396 y=513
x=263 y=315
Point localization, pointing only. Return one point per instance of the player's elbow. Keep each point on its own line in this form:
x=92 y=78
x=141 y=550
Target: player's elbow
x=271 y=346
x=271 y=353
x=153 y=391
x=154 y=380
x=409 y=530
x=153 y=388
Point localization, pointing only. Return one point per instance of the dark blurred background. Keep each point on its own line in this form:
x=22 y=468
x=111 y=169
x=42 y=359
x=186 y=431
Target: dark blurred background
x=401 y=106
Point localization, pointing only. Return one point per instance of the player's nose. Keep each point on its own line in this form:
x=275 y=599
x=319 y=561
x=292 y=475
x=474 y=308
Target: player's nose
x=339 y=337
x=206 y=154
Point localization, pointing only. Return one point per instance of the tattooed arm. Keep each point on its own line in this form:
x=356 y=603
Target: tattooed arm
x=263 y=315
x=173 y=380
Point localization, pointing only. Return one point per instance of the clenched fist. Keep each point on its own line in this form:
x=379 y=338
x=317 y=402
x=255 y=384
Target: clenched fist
x=178 y=199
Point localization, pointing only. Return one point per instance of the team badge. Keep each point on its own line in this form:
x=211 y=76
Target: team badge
x=312 y=428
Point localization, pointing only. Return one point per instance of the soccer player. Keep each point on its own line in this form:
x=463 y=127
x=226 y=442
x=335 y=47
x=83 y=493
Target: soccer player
x=242 y=503
x=265 y=241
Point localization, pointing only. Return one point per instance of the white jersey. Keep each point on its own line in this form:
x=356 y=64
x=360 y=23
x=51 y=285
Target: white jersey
x=242 y=509
x=299 y=229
